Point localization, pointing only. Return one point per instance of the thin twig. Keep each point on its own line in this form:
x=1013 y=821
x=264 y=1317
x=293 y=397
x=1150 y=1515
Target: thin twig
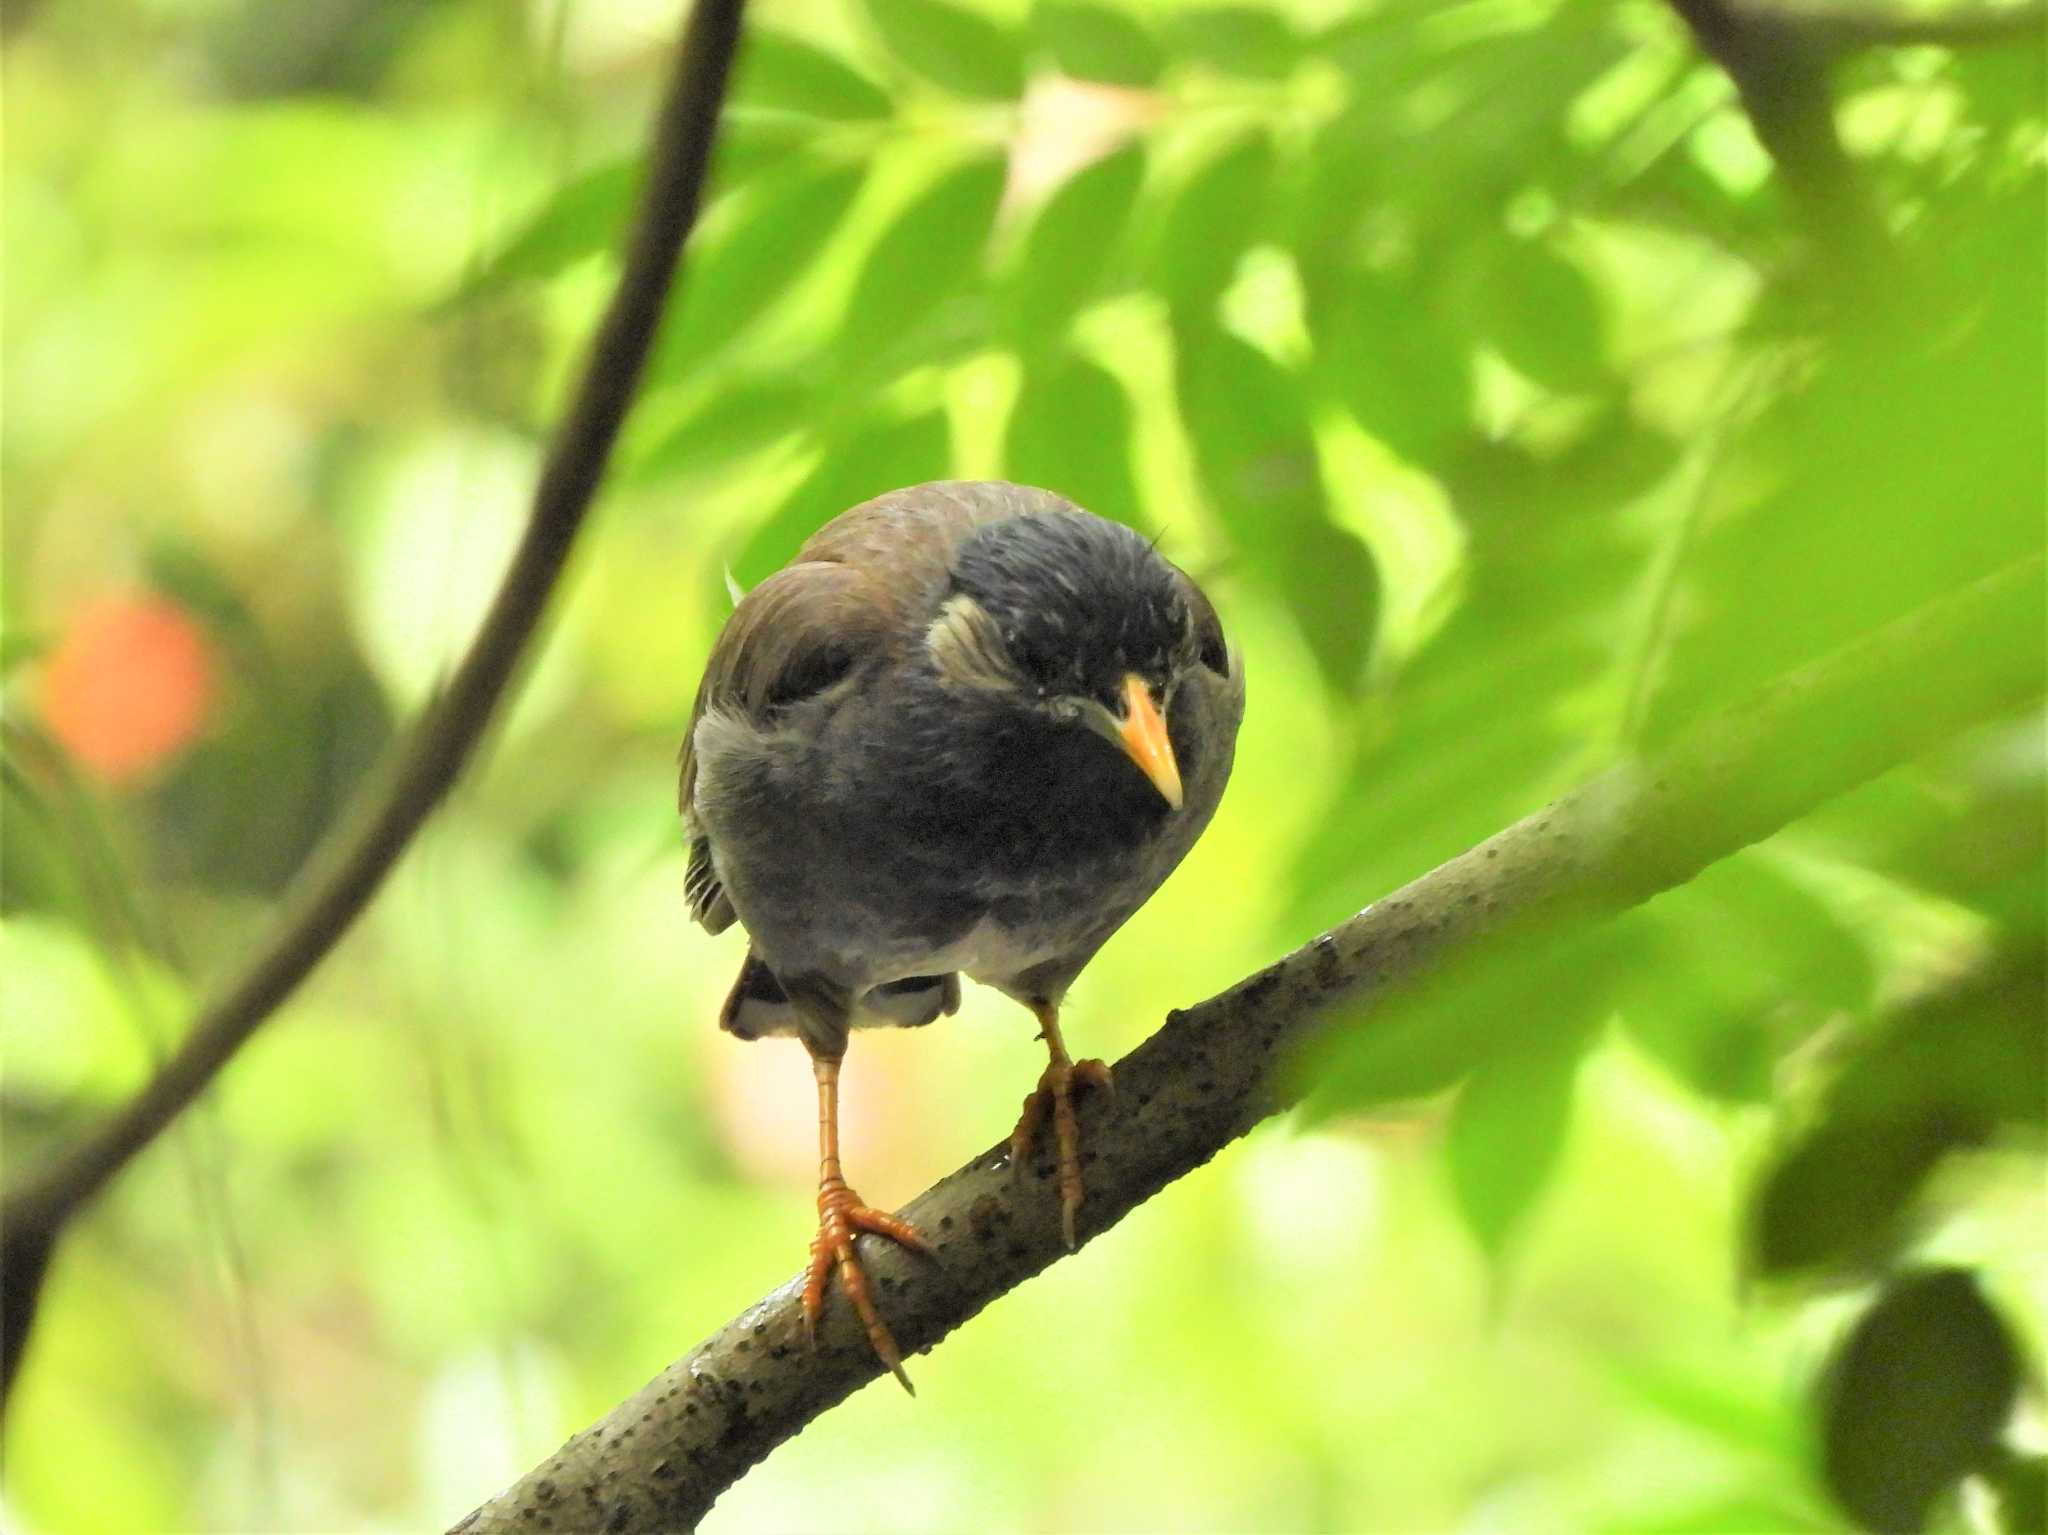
x=659 y=1460
x=334 y=890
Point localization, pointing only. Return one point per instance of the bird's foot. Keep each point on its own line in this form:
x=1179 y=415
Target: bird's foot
x=1055 y=1092
x=841 y=1218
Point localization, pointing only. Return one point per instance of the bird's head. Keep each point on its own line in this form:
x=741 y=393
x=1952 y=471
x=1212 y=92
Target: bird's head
x=1081 y=623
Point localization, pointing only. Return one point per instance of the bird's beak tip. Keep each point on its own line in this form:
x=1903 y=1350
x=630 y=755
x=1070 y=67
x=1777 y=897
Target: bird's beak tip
x=1144 y=739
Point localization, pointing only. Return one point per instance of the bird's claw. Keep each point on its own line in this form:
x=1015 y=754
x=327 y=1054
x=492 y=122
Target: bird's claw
x=1055 y=1092
x=841 y=1218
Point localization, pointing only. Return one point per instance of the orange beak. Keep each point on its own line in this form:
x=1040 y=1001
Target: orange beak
x=1142 y=734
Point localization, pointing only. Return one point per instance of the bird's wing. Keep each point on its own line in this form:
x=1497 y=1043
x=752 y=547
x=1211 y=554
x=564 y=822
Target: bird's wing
x=854 y=588
x=794 y=635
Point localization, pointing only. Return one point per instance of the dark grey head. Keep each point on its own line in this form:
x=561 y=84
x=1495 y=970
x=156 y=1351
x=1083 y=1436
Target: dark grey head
x=1080 y=604
x=1059 y=626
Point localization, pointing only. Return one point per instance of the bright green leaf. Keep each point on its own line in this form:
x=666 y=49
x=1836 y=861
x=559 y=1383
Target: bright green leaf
x=958 y=50
x=1539 y=311
x=740 y=417
x=1237 y=39
x=1535 y=995
x=580 y=218
x=1742 y=955
x=778 y=230
x=1070 y=432
x=784 y=72
x=1097 y=42
x=19 y=646
x=1253 y=440
x=1507 y=1135
x=1069 y=245
x=1403 y=373
x=929 y=253
x=1213 y=217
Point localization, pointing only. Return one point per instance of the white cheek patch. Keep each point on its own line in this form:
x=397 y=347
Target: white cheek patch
x=966 y=648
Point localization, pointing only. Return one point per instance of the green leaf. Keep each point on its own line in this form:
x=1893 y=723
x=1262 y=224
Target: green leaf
x=1070 y=244
x=741 y=416
x=788 y=74
x=1719 y=1516
x=1942 y=1076
x=1253 y=441
x=1540 y=312
x=1972 y=1050
x=1739 y=963
x=2022 y=1483
x=777 y=231
x=1507 y=1134
x=1404 y=374
x=1238 y=40
x=1905 y=464
x=582 y=217
x=1097 y=42
x=932 y=250
x=1529 y=994
x=1968 y=825
x=18 y=647
x=958 y=50
x=752 y=144
x=1715 y=1398
x=1915 y=1399
x=1070 y=432
x=1839 y=1196
x=875 y=455
x=1213 y=217
x=1551 y=581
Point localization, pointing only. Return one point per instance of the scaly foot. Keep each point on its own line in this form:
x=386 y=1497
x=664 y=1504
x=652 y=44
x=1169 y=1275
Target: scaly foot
x=841 y=1218
x=1056 y=1091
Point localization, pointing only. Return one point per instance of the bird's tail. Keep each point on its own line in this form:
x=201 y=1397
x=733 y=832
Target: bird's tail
x=758 y=1004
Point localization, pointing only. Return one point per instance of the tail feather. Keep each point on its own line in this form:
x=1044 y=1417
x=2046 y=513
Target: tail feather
x=915 y=1000
x=759 y=1005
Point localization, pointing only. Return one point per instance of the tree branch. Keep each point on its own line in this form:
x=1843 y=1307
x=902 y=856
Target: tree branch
x=659 y=1460
x=340 y=882
x=1780 y=70
x=1836 y=28
x=1778 y=53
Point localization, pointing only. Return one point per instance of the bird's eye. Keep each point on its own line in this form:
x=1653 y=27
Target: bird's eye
x=1209 y=639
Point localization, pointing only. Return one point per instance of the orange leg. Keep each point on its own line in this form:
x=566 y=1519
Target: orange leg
x=1055 y=1091
x=842 y=1217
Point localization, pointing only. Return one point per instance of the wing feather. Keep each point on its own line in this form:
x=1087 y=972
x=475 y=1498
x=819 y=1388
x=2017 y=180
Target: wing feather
x=853 y=591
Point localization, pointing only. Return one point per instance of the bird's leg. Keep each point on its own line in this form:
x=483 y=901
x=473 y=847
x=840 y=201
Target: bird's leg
x=1055 y=1091
x=841 y=1218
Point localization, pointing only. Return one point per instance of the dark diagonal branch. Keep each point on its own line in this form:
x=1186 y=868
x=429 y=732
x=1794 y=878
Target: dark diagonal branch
x=1780 y=70
x=1207 y=1076
x=340 y=883
x=1778 y=53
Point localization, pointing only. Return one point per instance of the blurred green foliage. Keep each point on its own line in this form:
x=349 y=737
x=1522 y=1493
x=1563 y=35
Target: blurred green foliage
x=1473 y=357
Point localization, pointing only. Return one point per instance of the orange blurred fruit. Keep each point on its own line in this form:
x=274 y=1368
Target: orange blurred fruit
x=128 y=686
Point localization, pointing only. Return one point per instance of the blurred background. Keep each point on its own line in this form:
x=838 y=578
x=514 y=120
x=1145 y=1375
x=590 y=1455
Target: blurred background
x=1476 y=360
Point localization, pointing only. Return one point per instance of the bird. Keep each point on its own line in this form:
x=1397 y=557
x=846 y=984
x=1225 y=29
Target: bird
x=969 y=729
